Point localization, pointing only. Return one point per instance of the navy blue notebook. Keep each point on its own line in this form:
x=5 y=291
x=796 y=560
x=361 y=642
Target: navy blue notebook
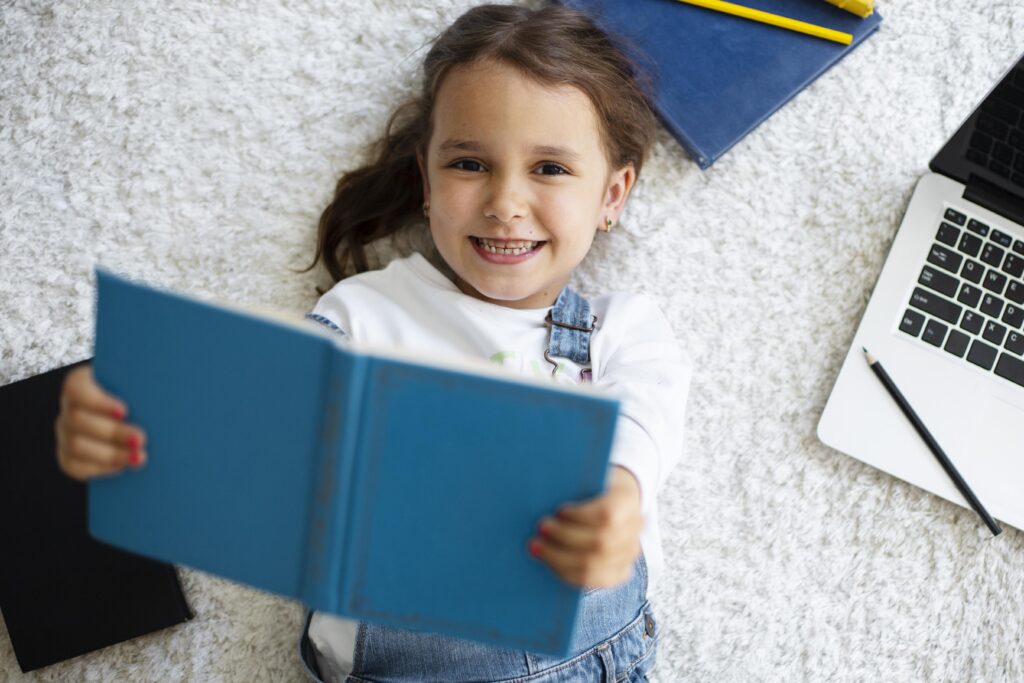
x=718 y=76
x=383 y=488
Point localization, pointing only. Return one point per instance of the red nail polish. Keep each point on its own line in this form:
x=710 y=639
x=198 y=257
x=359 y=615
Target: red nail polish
x=133 y=458
x=133 y=441
x=535 y=548
x=118 y=413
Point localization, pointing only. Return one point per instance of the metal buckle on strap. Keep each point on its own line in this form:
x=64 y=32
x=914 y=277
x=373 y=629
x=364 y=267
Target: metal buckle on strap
x=548 y=322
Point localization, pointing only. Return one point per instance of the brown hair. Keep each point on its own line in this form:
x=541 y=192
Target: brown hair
x=554 y=45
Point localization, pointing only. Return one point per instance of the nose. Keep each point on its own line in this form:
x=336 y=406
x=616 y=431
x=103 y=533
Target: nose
x=507 y=201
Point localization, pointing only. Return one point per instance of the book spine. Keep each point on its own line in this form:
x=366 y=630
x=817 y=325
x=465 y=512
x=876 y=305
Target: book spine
x=356 y=462
x=326 y=532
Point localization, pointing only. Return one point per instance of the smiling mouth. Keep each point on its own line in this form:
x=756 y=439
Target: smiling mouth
x=507 y=247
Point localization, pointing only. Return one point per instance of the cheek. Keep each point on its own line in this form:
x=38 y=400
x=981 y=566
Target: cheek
x=455 y=203
x=571 y=216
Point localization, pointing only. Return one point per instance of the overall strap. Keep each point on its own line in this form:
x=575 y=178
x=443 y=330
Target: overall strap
x=571 y=326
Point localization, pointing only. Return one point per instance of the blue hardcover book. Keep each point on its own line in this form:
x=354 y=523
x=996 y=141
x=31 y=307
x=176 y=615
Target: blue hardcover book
x=717 y=76
x=368 y=483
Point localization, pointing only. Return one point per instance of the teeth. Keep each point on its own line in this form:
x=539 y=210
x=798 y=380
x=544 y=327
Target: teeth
x=507 y=248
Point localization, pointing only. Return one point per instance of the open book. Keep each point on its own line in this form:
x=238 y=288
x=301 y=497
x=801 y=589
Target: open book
x=375 y=484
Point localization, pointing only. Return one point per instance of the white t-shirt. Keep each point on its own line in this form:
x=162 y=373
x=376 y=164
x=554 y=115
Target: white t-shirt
x=634 y=356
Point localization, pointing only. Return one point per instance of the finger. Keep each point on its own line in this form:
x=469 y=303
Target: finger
x=81 y=421
x=606 y=511
x=583 y=568
x=568 y=534
x=84 y=470
x=81 y=450
x=82 y=389
x=609 y=545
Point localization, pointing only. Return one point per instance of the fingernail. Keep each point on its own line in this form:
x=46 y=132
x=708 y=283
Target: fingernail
x=542 y=529
x=133 y=441
x=117 y=412
x=535 y=548
x=133 y=458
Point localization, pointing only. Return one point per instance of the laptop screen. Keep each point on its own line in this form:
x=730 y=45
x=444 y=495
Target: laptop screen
x=988 y=149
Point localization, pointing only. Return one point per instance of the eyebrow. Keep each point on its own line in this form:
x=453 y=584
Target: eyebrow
x=473 y=146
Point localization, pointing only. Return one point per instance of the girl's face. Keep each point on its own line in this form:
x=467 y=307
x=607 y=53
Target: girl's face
x=518 y=164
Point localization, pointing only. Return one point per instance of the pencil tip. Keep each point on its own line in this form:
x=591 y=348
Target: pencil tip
x=867 y=354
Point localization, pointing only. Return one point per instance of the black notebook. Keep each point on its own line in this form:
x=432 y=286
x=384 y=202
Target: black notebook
x=62 y=593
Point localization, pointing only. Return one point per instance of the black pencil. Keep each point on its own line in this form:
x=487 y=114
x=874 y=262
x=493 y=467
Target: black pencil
x=940 y=455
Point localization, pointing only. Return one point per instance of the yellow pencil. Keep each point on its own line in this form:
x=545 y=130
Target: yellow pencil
x=862 y=8
x=773 y=19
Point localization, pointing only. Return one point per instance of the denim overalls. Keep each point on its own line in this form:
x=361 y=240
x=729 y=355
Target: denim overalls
x=616 y=635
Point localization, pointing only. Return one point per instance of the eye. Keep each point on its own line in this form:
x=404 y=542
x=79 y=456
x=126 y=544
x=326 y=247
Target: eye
x=465 y=161
x=558 y=170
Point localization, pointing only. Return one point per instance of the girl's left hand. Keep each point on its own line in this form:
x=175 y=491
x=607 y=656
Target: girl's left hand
x=594 y=544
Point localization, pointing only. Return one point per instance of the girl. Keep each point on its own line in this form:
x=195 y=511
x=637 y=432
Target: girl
x=529 y=134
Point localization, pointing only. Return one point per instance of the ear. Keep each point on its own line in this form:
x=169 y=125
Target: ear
x=619 y=185
x=423 y=174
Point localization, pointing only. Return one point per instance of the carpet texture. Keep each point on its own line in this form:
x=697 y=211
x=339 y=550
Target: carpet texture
x=194 y=145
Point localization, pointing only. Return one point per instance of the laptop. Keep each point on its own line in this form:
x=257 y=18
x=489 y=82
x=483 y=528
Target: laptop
x=945 y=320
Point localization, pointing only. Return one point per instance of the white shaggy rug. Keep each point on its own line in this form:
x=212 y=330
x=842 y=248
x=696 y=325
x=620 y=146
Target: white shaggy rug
x=194 y=144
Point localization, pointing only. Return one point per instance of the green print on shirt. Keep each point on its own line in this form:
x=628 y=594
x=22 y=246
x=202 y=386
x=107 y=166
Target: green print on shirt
x=503 y=358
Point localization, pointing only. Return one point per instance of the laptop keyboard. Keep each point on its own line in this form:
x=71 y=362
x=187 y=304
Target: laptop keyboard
x=969 y=298
x=998 y=139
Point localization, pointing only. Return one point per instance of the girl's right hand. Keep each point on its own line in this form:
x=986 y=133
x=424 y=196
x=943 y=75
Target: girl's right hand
x=92 y=440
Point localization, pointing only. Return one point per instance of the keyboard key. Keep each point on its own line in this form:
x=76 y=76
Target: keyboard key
x=977 y=157
x=981 y=354
x=1018 y=245
x=972 y=271
x=994 y=282
x=1017 y=139
x=981 y=142
x=1015 y=343
x=994 y=332
x=969 y=295
x=955 y=216
x=1001 y=238
x=1015 y=292
x=944 y=258
x=993 y=127
x=992 y=255
x=957 y=343
x=1014 y=265
x=939 y=281
x=947 y=234
x=972 y=322
x=978 y=227
x=932 y=303
x=912 y=323
x=970 y=244
x=1013 y=316
x=935 y=333
x=1010 y=368
x=999 y=167
x=991 y=305
x=1003 y=152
